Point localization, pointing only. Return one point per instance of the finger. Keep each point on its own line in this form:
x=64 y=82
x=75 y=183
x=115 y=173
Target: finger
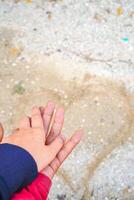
x=65 y=151
x=55 y=146
x=24 y=122
x=57 y=125
x=52 y=168
x=36 y=119
x=69 y=146
x=47 y=115
x=1 y=132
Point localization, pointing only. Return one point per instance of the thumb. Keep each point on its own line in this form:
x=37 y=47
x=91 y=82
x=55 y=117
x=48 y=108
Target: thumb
x=1 y=132
x=56 y=145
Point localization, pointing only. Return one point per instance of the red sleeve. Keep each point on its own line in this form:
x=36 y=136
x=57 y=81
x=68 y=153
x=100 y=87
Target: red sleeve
x=38 y=189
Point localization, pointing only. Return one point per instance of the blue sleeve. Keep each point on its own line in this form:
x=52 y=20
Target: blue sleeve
x=17 y=170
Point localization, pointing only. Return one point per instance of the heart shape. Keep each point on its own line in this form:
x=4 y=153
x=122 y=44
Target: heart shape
x=102 y=109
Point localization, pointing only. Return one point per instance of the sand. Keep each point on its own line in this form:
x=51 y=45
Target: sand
x=79 y=54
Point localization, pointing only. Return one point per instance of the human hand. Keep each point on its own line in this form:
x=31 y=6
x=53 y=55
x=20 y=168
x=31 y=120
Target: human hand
x=55 y=130
x=52 y=131
x=31 y=136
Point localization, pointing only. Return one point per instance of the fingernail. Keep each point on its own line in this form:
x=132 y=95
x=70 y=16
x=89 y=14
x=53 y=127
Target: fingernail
x=79 y=135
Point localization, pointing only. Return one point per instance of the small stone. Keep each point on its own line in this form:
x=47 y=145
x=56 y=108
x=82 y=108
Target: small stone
x=131 y=14
x=119 y=11
x=89 y=132
x=101 y=140
x=85 y=105
x=83 y=120
x=7 y=86
x=14 y=64
x=2 y=111
x=11 y=114
x=27 y=66
x=61 y=197
x=33 y=82
x=15 y=51
x=28 y=1
x=18 y=88
x=65 y=96
x=49 y=14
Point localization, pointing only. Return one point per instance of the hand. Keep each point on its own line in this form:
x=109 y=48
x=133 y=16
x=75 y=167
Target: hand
x=52 y=131
x=33 y=139
x=55 y=130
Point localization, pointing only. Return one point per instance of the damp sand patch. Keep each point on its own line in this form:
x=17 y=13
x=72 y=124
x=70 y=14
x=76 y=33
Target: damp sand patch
x=101 y=106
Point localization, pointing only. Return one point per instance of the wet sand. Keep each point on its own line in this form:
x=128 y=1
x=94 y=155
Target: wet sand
x=95 y=96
